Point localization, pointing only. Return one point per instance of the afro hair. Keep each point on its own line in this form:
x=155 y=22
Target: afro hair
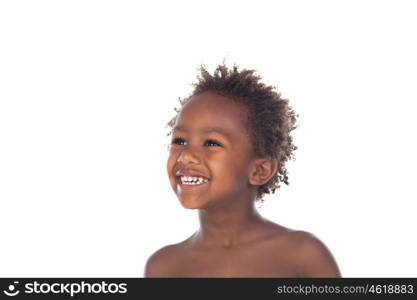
x=270 y=119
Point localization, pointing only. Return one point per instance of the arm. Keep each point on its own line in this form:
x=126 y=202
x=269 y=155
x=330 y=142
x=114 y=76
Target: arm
x=157 y=263
x=315 y=259
x=151 y=268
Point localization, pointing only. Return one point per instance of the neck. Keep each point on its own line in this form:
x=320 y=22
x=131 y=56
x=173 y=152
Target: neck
x=229 y=226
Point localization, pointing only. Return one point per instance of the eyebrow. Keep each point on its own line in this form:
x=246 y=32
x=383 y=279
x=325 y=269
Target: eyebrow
x=205 y=130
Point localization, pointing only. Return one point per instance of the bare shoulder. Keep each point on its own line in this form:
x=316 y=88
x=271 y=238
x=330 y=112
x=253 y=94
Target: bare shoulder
x=161 y=262
x=312 y=257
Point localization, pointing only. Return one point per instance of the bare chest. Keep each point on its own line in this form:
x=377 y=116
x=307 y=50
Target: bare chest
x=246 y=262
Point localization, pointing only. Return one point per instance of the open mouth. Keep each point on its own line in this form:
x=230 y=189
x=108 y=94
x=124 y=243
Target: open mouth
x=191 y=182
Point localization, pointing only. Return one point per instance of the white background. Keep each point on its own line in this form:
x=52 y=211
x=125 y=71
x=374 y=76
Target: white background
x=87 y=87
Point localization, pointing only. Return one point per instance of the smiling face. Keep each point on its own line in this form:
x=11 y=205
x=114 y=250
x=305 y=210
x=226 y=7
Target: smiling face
x=210 y=139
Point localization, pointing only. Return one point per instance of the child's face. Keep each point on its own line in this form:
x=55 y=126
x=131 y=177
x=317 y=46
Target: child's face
x=224 y=159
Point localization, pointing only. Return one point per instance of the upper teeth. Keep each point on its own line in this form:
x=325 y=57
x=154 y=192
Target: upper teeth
x=193 y=180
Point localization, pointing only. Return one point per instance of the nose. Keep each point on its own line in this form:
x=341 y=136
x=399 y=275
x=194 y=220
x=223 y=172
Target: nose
x=189 y=155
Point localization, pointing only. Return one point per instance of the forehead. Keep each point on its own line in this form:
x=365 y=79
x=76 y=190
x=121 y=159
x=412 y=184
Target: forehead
x=211 y=110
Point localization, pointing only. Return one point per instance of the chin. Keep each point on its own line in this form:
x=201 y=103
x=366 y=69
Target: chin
x=191 y=203
x=188 y=206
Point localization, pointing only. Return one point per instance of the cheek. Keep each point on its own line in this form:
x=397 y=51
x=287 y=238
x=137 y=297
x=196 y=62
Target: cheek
x=228 y=169
x=170 y=163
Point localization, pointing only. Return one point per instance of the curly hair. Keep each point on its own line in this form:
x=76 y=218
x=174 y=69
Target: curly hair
x=269 y=120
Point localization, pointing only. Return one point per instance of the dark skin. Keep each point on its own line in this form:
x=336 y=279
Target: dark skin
x=234 y=240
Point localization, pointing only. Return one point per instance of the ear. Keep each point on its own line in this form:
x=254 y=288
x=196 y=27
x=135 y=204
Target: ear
x=263 y=169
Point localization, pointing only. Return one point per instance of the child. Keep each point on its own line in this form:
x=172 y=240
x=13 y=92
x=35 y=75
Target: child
x=230 y=142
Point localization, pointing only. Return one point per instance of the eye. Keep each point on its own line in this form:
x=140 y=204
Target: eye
x=180 y=141
x=177 y=141
x=213 y=142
